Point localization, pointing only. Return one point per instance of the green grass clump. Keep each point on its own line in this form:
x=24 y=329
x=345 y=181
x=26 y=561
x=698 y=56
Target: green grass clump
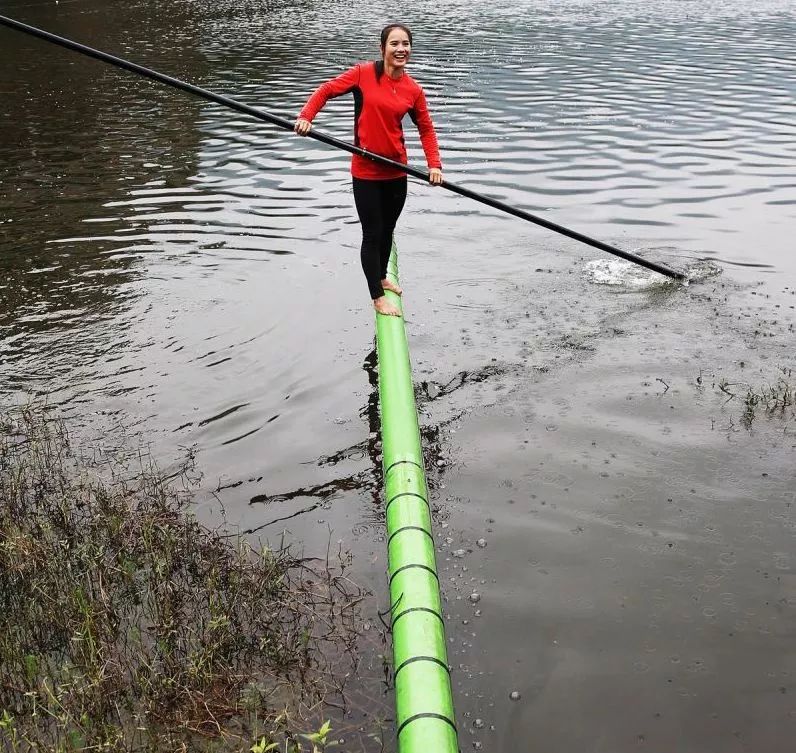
x=777 y=399
x=125 y=624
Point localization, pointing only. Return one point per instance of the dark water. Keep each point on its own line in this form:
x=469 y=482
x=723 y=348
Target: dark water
x=177 y=269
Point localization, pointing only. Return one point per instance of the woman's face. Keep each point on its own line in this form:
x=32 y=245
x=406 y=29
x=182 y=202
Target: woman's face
x=396 y=49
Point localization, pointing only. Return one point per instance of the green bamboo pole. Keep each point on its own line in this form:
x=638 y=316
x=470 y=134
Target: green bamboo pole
x=424 y=705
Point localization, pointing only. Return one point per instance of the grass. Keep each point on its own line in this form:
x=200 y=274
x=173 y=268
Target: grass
x=777 y=399
x=127 y=625
x=774 y=400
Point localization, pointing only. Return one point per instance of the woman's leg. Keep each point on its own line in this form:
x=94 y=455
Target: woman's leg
x=368 y=201
x=393 y=200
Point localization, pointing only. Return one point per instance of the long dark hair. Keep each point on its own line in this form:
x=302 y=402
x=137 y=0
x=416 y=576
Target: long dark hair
x=385 y=33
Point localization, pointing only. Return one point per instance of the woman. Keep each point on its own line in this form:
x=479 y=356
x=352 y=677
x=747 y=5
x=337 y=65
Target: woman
x=383 y=94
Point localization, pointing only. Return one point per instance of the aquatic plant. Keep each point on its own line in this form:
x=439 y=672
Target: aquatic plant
x=777 y=399
x=127 y=625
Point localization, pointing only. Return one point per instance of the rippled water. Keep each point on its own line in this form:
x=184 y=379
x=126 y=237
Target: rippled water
x=184 y=271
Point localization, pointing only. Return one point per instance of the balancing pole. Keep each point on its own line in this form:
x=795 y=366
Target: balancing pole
x=337 y=143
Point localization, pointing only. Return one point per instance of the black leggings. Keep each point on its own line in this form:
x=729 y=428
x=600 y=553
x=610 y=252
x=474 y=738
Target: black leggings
x=379 y=204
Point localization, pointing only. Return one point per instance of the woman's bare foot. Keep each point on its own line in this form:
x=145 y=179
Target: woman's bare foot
x=383 y=306
x=387 y=285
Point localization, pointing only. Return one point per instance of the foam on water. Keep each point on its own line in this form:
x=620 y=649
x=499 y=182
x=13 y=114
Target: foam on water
x=625 y=274
x=620 y=273
x=702 y=269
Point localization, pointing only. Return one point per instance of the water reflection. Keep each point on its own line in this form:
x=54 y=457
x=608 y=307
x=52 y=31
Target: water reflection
x=76 y=135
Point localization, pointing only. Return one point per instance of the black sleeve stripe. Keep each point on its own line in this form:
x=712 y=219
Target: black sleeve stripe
x=358 y=100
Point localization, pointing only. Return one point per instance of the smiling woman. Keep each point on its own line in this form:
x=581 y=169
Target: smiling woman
x=383 y=94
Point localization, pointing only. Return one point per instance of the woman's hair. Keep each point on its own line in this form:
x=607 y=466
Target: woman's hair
x=385 y=33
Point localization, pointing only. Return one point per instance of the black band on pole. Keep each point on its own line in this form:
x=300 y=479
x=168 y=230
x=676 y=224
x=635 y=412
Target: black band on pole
x=403 y=462
x=415 y=609
x=427 y=715
x=331 y=141
x=413 y=659
x=412 y=566
x=406 y=494
x=408 y=528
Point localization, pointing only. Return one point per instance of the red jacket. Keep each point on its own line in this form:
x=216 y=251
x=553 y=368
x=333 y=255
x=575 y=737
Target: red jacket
x=379 y=108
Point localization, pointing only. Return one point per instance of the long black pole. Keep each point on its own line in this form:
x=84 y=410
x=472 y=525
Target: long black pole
x=331 y=141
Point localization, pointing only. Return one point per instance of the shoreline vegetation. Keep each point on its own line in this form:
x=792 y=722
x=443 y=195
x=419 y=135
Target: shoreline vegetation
x=127 y=625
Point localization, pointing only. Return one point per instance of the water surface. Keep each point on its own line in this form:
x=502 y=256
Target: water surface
x=178 y=269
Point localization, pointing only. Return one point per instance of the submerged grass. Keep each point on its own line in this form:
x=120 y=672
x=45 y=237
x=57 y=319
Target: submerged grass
x=126 y=625
x=776 y=399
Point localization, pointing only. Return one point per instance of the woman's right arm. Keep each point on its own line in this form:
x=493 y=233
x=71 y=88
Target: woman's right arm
x=344 y=83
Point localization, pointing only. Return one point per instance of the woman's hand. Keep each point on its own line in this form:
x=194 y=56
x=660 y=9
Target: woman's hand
x=435 y=176
x=302 y=127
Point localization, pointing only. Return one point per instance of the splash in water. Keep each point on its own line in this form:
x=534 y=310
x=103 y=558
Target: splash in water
x=625 y=274
x=702 y=269
x=621 y=273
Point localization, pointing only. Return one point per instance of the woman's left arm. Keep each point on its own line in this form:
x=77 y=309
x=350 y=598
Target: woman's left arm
x=428 y=138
